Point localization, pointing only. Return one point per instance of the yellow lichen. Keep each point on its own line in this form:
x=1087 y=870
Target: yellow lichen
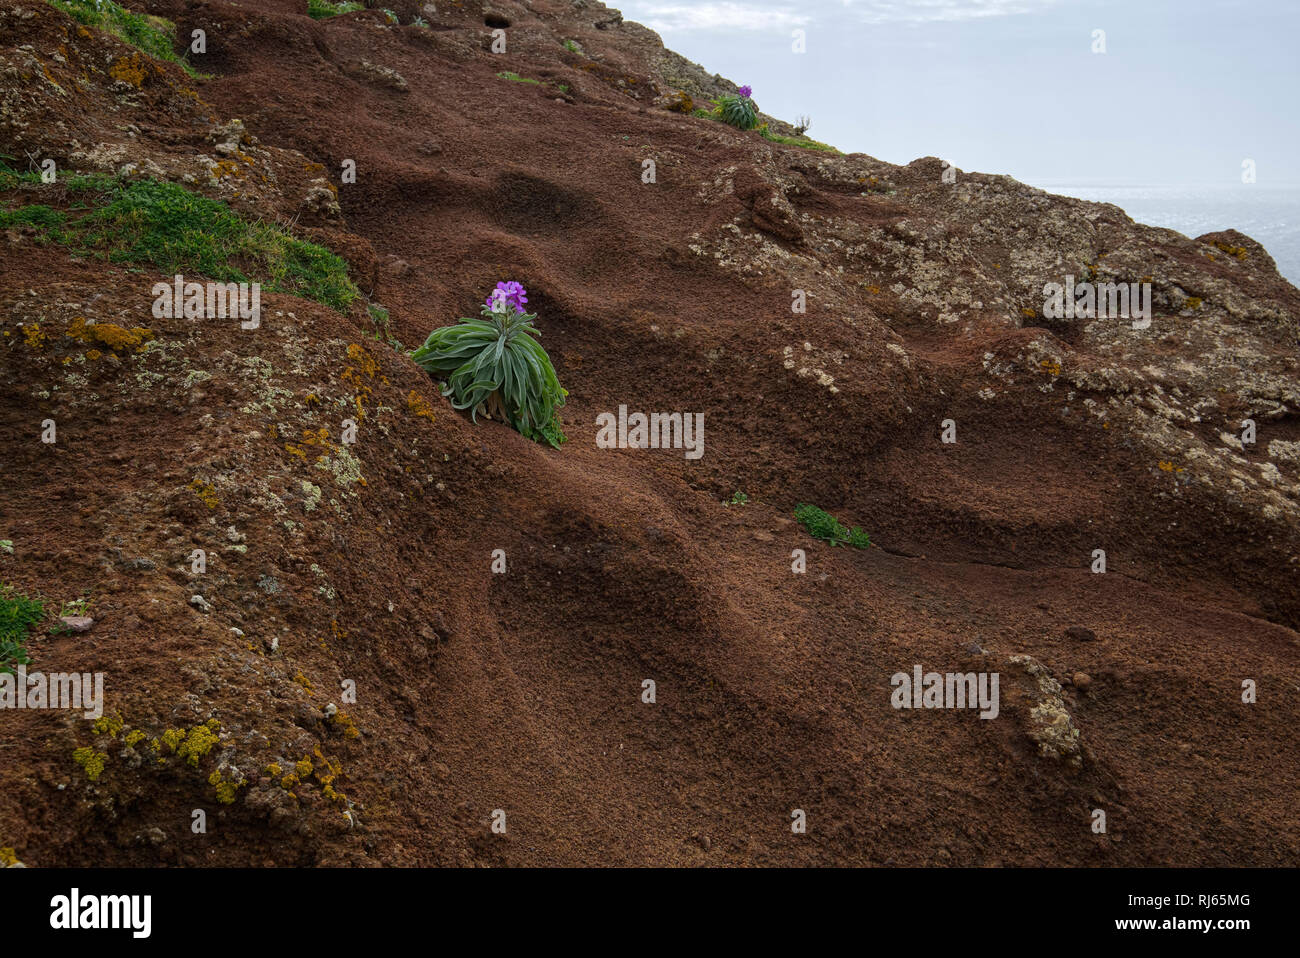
x=198 y=742
x=226 y=789
x=206 y=493
x=33 y=337
x=419 y=405
x=129 y=69
x=113 y=336
x=91 y=761
x=108 y=726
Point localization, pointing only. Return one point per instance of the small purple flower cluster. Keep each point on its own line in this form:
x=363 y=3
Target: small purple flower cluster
x=512 y=293
x=745 y=91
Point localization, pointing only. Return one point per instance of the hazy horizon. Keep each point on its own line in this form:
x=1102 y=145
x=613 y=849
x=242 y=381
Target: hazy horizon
x=1013 y=86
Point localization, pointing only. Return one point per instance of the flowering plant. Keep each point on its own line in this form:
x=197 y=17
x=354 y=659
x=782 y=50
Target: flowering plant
x=740 y=111
x=497 y=365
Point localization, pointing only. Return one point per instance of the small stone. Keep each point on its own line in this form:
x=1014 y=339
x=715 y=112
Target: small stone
x=77 y=623
x=1081 y=681
x=1080 y=634
x=200 y=603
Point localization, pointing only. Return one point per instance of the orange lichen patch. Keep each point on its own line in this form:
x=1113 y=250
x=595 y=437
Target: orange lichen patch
x=206 y=493
x=33 y=337
x=363 y=359
x=367 y=367
x=312 y=399
x=1238 y=251
x=130 y=69
x=223 y=168
x=113 y=336
x=419 y=405
x=1051 y=366
x=93 y=354
x=1166 y=466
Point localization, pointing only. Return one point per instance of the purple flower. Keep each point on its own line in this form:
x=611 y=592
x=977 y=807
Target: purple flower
x=745 y=91
x=511 y=293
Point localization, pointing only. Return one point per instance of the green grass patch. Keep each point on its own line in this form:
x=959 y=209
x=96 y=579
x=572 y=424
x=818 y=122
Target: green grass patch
x=152 y=35
x=323 y=9
x=802 y=141
x=152 y=223
x=18 y=616
x=516 y=78
x=822 y=525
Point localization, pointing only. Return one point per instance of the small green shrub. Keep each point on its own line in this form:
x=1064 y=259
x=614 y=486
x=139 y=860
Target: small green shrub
x=152 y=35
x=738 y=499
x=737 y=111
x=803 y=141
x=822 y=525
x=498 y=361
x=572 y=46
x=516 y=78
x=18 y=615
x=324 y=9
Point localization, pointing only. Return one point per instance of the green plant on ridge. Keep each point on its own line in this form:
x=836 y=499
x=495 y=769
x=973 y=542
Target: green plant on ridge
x=18 y=615
x=143 y=221
x=739 y=111
x=498 y=362
x=822 y=525
x=324 y=9
x=153 y=35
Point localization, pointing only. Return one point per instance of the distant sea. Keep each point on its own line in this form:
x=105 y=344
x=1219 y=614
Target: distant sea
x=1269 y=215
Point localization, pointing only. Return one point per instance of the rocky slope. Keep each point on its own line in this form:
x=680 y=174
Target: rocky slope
x=333 y=565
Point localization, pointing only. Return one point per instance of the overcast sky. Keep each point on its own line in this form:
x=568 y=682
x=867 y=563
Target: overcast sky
x=1185 y=91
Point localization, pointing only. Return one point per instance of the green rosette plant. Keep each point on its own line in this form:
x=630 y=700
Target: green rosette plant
x=497 y=363
x=739 y=111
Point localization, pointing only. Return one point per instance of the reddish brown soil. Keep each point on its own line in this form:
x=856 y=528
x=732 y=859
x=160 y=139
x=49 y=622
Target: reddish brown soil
x=522 y=691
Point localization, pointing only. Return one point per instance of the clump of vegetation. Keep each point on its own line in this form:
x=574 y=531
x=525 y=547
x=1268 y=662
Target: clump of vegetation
x=389 y=15
x=18 y=616
x=143 y=221
x=738 y=499
x=739 y=111
x=822 y=525
x=808 y=143
x=324 y=9
x=379 y=316
x=516 y=78
x=153 y=35
x=496 y=361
